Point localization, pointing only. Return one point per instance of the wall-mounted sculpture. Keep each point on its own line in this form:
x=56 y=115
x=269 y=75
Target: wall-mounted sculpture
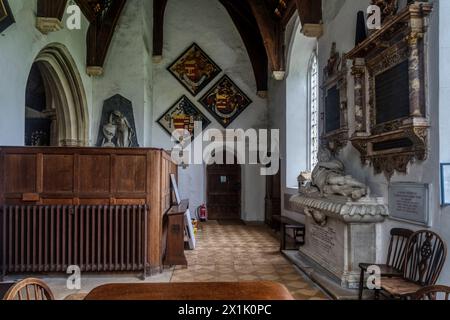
x=6 y=16
x=335 y=131
x=391 y=126
x=117 y=126
x=330 y=178
x=194 y=69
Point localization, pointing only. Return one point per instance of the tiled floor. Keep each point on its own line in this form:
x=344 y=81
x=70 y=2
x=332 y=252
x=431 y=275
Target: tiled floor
x=242 y=253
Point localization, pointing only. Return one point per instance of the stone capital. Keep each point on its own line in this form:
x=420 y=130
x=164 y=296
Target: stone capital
x=312 y=30
x=47 y=25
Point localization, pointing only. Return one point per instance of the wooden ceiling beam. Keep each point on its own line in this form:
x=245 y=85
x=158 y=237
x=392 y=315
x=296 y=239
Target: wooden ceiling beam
x=159 y=9
x=99 y=37
x=310 y=12
x=86 y=8
x=49 y=15
x=272 y=33
x=290 y=11
x=247 y=27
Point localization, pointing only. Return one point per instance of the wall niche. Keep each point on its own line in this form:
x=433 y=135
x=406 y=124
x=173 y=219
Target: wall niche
x=391 y=125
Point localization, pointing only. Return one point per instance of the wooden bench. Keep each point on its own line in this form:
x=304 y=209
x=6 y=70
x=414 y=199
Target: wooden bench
x=286 y=224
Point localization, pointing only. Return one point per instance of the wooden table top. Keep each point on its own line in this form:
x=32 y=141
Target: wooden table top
x=234 y=291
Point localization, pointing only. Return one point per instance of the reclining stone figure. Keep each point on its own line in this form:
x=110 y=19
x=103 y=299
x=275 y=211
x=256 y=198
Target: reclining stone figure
x=330 y=178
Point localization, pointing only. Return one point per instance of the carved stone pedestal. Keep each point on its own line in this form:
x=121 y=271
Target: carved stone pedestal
x=339 y=234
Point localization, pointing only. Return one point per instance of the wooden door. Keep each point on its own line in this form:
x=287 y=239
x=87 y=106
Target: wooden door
x=224 y=192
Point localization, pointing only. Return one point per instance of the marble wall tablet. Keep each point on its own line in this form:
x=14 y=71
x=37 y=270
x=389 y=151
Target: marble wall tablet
x=409 y=201
x=117 y=126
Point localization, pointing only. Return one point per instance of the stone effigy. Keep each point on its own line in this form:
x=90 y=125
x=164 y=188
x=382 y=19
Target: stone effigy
x=341 y=220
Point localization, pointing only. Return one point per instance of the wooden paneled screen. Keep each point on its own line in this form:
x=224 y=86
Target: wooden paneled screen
x=91 y=177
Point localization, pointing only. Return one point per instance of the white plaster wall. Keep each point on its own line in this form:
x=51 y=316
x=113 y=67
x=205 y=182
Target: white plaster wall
x=127 y=69
x=208 y=24
x=19 y=45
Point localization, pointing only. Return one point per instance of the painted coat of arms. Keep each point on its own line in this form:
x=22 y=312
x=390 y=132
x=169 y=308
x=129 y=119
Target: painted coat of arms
x=182 y=115
x=194 y=69
x=225 y=101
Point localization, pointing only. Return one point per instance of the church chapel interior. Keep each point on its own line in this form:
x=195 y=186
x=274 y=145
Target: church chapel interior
x=106 y=104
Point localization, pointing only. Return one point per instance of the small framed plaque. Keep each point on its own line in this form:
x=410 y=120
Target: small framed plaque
x=176 y=194
x=409 y=202
x=445 y=184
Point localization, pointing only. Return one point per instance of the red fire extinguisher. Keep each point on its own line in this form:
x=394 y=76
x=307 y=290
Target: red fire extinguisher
x=203 y=213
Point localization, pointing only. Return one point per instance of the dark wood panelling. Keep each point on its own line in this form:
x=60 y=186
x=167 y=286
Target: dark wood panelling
x=95 y=171
x=129 y=172
x=19 y=173
x=91 y=176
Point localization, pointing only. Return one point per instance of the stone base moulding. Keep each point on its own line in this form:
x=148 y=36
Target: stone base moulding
x=347 y=238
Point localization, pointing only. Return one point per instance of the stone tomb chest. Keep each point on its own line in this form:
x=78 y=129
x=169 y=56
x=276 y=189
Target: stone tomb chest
x=340 y=234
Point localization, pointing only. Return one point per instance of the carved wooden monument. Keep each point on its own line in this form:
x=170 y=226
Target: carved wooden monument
x=391 y=126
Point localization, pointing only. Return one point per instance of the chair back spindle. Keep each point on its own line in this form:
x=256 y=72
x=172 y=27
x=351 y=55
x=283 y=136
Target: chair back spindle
x=425 y=258
x=397 y=248
x=29 y=289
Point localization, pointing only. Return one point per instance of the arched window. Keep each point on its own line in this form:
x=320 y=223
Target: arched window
x=313 y=110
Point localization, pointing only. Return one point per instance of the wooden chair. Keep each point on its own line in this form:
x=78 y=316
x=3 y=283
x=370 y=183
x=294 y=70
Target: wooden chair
x=29 y=289
x=425 y=258
x=432 y=293
x=395 y=257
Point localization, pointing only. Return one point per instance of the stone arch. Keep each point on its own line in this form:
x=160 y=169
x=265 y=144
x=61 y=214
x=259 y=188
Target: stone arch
x=65 y=93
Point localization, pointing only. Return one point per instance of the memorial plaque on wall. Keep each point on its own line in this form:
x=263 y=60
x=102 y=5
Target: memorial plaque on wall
x=332 y=110
x=392 y=93
x=117 y=125
x=409 y=201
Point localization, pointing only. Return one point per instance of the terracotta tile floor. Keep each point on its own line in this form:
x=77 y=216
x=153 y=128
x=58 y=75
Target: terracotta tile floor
x=242 y=253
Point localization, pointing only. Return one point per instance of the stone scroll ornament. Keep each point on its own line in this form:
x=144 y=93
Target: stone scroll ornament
x=117 y=126
x=194 y=69
x=225 y=101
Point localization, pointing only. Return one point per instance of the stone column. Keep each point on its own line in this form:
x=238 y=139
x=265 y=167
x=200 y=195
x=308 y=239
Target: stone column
x=414 y=74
